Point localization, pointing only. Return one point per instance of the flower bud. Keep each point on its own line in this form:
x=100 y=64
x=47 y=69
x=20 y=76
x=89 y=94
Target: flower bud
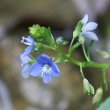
x=60 y=40
x=98 y=96
x=88 y=88
x=78 y=29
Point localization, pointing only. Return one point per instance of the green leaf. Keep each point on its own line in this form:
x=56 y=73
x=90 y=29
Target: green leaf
x=103 y=54
x=78 y=29
x=105 y=105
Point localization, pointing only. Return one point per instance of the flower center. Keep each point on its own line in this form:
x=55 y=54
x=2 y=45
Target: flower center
x=46 y=69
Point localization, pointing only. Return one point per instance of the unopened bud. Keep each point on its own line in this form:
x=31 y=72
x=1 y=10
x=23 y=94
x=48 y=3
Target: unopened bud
x=98 y=96
x=60 y=40
x=88 y=88
x=78 y=29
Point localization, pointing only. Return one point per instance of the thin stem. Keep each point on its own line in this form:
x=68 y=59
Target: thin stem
x=70 y=46
x=76 y=62
x=81 y=71
x=89 y=48
x=85 y=54
x=74 y=47
x=104 y=80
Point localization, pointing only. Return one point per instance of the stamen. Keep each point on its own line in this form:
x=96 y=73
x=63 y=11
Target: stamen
x=46 y=69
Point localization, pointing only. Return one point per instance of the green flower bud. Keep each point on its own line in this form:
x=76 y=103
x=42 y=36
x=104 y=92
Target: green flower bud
x=60 y=40
x=78 y=29
x=88 y=88
x=98 y=96
x=92 y=89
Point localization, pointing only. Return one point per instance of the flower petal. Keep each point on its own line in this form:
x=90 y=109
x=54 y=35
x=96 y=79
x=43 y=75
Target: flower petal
x=91 y=36
x=44 y=59
x=25 y=58
x=55 y=70
x=46 y=77
x=31 y=40
x=25 y=71
x=85 y=19
x=29 y=49
x=36 y=70
x=90 y=26
x=28 y=40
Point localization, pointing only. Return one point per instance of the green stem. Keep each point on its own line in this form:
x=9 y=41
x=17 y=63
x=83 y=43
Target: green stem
x=69 y=52
x=74 y=47
x=104 y=80
x=89 y=48
x=76 y=62
x=81 y=71
x=85 y=54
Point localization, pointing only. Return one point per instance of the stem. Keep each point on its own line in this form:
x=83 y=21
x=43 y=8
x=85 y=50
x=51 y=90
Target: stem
x=74 y=47
x=104 y=80
x=89 y=48
x=69 y=52
x=85 y=54
x=81 y=71
x=76 y=62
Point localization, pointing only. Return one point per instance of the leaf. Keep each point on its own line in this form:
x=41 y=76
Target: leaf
x=103 y=54
x=105 y=105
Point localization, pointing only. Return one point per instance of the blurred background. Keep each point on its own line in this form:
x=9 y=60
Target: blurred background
x=66 y=92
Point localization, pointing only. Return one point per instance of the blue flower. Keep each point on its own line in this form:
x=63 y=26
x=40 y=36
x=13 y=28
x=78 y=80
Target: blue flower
x=88 y=28
x=30 y=42
x=45 y=68
x=25 y=59
x=26 y=55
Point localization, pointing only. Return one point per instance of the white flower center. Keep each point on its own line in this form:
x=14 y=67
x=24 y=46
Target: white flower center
x=46 y=69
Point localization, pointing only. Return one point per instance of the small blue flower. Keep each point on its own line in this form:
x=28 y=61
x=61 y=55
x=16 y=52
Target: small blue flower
x=30 y=42
x=45 y=68
x=26 y=55
x=25 y=59
x=88 y=28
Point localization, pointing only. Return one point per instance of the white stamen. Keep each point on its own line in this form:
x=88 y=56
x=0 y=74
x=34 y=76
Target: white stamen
x=46 y=69
x=26 y=41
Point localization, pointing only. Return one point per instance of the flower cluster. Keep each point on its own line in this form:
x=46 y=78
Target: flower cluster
x=40 y=38
x=42 y=67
